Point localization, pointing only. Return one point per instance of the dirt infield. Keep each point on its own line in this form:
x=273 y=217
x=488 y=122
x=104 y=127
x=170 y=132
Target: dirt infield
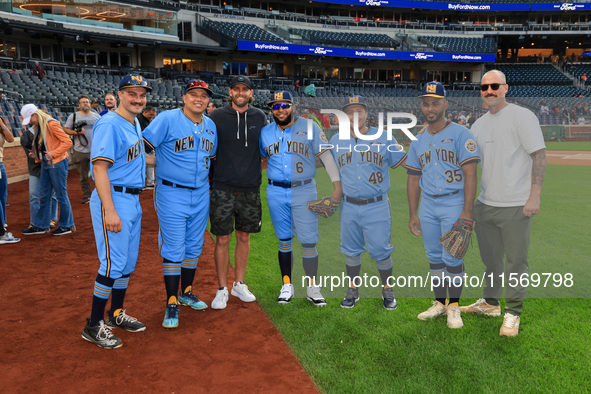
x=576 y=158
x=46 y=287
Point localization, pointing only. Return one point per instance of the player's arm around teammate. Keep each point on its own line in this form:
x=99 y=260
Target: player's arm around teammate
x=118 y=168
x=185 y=141
x=441 y=169
x=291 y=159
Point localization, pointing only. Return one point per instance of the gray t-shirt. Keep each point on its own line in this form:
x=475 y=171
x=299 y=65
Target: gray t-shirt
x=506 y=140
x=80 y=144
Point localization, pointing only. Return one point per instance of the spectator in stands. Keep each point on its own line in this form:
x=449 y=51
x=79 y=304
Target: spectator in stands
x=471 y=119
x=110 y=103
x=94 y=106
x=212 y=106
x=38 y=71
x=296 y=85
x=584 y=78
x=5 y=135
x=79 y=125
x=145 y=118
x=50 y=147
x=34 y=170
x=544 y=108
x=581 y=120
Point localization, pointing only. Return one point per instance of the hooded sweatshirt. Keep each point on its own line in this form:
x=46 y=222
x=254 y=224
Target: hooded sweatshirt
x=238 y=163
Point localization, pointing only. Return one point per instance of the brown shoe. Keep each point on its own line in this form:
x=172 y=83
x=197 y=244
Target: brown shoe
x=482 y=307
x=435 y=311
x=510 y=327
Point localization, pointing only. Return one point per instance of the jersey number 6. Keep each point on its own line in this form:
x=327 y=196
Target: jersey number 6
x=454 y=176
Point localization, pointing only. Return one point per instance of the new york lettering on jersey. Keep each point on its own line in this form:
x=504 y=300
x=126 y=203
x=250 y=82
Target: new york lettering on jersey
x=177 y=140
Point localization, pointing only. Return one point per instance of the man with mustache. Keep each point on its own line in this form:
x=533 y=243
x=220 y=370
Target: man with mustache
x=513 y=167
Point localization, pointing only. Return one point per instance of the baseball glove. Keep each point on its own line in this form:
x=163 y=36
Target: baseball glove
x=324 y=207
x=456 y=240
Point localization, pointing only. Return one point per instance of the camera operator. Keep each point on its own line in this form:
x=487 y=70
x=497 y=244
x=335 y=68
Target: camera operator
x=79 y=125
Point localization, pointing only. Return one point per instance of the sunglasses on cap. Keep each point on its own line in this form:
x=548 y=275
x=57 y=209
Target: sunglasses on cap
x=198 y=84
x=279 y=106
x=493 y=86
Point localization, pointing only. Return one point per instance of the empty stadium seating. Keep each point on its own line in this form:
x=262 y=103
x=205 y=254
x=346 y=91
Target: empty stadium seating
x=461 y=44
x=241 y=31
x=533 y=74
x=363 y=40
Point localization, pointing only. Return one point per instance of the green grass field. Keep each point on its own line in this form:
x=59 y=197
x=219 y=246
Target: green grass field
x=568 y=145
x=369 y=349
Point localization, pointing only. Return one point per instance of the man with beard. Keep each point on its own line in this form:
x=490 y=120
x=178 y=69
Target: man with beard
x=291 y=159
x=513 y=169
x=441 y=169
x=110 y=103
x=236 y=182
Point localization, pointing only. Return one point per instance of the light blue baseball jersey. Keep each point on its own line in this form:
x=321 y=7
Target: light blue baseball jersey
x=438 y=158
x=291 y=156
x=363 y=164
x=116 y=140
x=183 y=149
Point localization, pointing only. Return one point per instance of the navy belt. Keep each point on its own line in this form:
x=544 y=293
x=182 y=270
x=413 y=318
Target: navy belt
x=288 y=185
x=169 y=183
x=444 y=195
x=130 y=190
x=366 y=201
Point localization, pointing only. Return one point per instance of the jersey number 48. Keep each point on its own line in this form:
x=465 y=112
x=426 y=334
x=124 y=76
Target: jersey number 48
x=376 y=177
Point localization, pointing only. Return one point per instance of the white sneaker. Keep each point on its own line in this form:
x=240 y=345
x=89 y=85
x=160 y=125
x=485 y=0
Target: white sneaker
x=286 y=294
x=8 y=239
x=510 y=327
x=314 y=296
x=221 y=299
x=240 y=290
x=454 y=317
x=435 y=311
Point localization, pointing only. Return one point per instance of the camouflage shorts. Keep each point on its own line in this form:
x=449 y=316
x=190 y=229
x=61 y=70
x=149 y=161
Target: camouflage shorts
x=231 y=209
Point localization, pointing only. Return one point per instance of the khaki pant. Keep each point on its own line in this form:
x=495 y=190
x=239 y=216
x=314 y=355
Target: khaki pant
x=503 y=238
x=82 y=163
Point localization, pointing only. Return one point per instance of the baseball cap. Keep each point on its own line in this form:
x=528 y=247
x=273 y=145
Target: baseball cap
x=283 y=95
x=434 y=89
x=198 y=84
x=354 y=100
x=132 y=81
x=241 y=79
x=26 y=111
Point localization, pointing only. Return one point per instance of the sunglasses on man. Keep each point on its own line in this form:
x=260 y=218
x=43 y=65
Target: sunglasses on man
x=278 y=106
x=494 y=86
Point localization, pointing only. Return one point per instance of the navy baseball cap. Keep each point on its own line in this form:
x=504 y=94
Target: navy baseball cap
x=134 y=81
x=241 y=79
x=284 y=95
x=354 y=100
x=198 y=84
x=434 y=89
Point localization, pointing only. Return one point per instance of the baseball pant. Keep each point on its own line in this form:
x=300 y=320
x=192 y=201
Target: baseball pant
x=289 y=212
x=503 y=235
x=117 y=252
x=369 y=224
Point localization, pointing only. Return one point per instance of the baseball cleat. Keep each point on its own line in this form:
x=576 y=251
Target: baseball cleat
x=482 y=307
x=350 y=299
x=314 y=296
x=100 y=335
x=221 y=299
x=240 y=290
x=389 y=298
x=190 y=299
x=454 y=316
x=171 y=316
x=286 y=294
x=436 y=310
x=510 y=327
x=123 y=320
